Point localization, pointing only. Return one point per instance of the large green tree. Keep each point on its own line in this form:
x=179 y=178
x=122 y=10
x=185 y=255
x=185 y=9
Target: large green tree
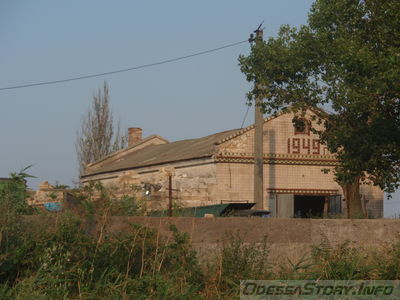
x=346 y=58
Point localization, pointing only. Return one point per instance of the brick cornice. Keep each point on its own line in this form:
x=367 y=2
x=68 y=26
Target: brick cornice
x=303 y=191
x=285 y=159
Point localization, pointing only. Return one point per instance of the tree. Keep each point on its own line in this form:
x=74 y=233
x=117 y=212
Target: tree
x=346 y=57
x=13 y=194
x=97 y=137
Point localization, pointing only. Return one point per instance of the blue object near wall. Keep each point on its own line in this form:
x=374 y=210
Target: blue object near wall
x=53 y=206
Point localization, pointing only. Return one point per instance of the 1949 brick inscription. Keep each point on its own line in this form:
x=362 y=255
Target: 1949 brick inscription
x=305 y=146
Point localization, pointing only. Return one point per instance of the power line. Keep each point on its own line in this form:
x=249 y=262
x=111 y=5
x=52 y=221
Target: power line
x=245 y=115
x=121 y=70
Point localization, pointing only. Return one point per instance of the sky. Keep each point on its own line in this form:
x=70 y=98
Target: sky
x=47 y=40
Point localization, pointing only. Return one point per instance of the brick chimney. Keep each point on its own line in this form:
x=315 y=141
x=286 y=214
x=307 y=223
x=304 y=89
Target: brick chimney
x=135 y=135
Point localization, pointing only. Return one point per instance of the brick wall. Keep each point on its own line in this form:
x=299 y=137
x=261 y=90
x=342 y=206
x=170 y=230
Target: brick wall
x=292 y=162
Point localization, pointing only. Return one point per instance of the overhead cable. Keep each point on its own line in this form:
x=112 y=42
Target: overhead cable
x=80 y=77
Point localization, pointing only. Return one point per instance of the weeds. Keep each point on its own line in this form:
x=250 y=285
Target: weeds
x=65 y=262
x=72 y=255
x=342 y=262
x=236 y=261
x=63 y=259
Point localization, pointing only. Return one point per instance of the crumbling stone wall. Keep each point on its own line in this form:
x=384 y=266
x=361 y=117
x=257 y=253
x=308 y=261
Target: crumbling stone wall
x=46 y=193
x=194 y=183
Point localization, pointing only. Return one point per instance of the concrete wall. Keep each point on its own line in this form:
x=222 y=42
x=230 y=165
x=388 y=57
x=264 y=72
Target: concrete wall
x=287 y=238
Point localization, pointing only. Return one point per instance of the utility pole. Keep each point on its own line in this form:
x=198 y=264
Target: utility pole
x=169 y=195
x=258 y=139
x=169 y=171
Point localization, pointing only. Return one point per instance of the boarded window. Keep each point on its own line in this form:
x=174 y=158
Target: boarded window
x=284 y=205
x=334 y=205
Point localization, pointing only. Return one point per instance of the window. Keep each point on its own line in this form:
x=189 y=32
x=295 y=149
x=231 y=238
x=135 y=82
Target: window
x=301 y=126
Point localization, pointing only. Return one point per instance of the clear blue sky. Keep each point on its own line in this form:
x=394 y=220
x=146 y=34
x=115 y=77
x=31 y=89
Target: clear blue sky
x=49 y=40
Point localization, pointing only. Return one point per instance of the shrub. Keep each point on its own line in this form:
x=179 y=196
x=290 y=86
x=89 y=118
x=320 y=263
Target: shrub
x=342 y=262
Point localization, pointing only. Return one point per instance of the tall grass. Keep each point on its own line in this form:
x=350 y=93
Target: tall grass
x=63 y=261
x=62 y=257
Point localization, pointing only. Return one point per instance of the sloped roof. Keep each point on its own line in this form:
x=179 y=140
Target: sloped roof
x=171 y=152
x=114 y=156
x=174 y=151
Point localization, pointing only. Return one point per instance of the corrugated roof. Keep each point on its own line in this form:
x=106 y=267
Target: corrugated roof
x=159 y=154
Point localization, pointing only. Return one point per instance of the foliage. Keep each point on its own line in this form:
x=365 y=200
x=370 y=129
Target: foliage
x=12 y=204
x=243 y=261
x=94 y=199
x=97 y=137
x=77 y=254
x=60 y=186
x=63 y=261
x=346 y=57
x=59 y=259
x=237 y=261
x=388 y=262
x=13 y=192
x=339 y=263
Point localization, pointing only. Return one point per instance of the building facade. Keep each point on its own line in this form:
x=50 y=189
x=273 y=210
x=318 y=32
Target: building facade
x=298 y=177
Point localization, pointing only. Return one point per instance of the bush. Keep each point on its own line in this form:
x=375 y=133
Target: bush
x=340 y=263
x=236 y=261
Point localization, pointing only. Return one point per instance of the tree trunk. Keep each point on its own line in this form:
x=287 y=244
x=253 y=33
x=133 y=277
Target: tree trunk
x=353 y=199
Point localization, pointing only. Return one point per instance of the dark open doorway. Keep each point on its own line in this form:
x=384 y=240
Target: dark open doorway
x=309 y=206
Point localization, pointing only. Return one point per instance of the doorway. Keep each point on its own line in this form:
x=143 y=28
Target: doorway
x=309 y=206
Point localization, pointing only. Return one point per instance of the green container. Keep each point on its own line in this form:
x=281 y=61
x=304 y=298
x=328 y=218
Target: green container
x=218 y=210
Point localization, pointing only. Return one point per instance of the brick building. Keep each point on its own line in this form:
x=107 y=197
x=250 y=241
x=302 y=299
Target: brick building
x=219 y=169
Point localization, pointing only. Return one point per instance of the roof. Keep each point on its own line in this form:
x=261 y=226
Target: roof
x=165 y=153
x=135 y=145
x=172 y=152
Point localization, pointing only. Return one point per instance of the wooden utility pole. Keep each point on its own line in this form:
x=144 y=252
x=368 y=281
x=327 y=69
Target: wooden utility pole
x=258 y=142
x=170 y=195
x=169 y=171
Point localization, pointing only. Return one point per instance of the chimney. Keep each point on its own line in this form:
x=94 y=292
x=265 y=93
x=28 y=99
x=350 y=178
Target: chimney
x=135 y=135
